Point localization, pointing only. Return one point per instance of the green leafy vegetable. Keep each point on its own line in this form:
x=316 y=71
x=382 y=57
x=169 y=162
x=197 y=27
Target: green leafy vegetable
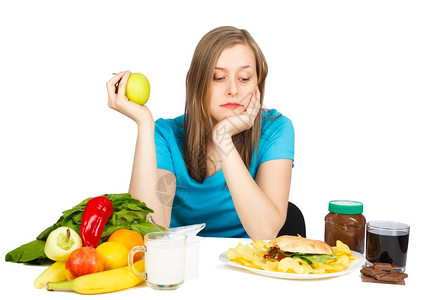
x=128 y=213
x=310 y=258
x=32 y=252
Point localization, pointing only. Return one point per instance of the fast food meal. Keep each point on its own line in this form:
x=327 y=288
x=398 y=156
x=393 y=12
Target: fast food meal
x=293 y=254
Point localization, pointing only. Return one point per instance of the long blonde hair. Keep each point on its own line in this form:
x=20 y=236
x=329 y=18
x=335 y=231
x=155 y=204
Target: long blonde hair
x=198 y=124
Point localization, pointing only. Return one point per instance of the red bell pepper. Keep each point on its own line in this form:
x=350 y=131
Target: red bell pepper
x=96 y=213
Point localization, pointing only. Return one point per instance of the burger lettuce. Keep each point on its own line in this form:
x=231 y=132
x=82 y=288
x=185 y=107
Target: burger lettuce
x=275 y=253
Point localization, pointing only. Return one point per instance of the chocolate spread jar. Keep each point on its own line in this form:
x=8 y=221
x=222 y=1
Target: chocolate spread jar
x=345 y=222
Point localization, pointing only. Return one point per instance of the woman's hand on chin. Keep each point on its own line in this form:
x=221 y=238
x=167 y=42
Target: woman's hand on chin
x=225 y=129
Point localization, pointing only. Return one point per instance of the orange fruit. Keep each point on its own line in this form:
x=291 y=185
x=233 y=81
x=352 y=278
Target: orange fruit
x=114 y=255
x=128 y=238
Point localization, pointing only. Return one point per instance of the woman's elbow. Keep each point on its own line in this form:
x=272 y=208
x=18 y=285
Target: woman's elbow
x=266 y=232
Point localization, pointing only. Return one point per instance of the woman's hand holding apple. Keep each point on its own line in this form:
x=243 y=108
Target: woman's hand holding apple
x=119 y=101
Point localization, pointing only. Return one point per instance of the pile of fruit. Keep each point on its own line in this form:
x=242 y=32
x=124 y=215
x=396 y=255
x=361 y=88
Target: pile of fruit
x=94 y=259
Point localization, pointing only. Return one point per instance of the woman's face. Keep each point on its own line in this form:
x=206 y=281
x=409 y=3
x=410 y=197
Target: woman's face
x=234 y=81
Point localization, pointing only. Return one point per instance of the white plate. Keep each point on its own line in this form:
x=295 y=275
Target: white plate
x=355 y=265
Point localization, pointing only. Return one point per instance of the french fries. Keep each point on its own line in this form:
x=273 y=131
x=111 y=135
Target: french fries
x=252 y=255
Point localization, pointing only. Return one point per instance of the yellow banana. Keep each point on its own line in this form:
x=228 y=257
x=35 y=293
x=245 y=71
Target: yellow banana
x=101 y=282
x=54 y=273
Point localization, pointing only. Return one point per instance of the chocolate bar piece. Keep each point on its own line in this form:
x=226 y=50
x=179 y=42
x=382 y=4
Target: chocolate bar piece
x=391 y=277
x=383 y=267
x=382 y=273
x=366 y=278
x=372 y=272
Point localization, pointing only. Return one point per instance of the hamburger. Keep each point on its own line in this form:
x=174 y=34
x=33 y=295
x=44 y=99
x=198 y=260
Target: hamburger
x=299 y=248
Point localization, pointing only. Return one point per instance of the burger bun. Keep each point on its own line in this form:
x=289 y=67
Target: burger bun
x=299 y=244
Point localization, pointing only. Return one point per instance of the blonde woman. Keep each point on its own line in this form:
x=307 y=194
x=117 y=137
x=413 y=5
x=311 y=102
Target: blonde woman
x=227 y=161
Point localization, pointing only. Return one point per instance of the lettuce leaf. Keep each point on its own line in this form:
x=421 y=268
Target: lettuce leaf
x=32 y=252
x=310 y=258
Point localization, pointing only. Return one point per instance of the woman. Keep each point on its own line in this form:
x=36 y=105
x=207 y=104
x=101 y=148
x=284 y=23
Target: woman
x=226 y=162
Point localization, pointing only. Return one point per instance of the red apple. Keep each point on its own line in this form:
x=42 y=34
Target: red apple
x=82 y=261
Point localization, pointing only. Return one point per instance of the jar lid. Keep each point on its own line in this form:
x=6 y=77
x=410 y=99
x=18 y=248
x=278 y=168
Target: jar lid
x=346 y=207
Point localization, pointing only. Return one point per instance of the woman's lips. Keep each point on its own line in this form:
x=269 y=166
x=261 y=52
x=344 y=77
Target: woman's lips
x=231 y=105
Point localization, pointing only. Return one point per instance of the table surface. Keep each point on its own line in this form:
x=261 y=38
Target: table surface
x=217 y=279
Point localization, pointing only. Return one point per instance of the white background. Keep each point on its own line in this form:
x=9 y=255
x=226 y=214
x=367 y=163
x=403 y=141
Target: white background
x=349 y=74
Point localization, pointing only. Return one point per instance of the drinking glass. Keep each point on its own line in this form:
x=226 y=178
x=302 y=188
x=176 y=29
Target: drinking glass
x=164 y=255
x=387 y=242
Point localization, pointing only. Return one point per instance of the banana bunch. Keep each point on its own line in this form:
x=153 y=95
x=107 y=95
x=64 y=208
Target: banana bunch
x=95 y=283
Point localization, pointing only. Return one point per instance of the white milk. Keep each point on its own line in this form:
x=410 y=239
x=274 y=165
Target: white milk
x=165 y=261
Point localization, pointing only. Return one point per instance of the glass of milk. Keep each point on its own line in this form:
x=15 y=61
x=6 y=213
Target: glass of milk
x=165 y=256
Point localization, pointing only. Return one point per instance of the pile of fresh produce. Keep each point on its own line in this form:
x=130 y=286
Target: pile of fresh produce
x=89 y=246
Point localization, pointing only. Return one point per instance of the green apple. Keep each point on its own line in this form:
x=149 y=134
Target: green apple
x=138 y=88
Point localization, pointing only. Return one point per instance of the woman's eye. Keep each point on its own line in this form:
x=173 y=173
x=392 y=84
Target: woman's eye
x=245 y=79
x=218 y=78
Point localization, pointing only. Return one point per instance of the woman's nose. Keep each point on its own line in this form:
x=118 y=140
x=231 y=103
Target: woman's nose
x=232 y=88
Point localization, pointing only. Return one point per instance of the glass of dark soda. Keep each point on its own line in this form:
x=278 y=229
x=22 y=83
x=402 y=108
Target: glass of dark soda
x=387 y=242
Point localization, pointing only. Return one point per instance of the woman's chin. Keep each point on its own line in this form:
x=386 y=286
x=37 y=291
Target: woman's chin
x=231 y=113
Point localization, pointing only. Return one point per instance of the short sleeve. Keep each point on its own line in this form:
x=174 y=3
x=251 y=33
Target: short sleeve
x=277 y=140
x=163 y=152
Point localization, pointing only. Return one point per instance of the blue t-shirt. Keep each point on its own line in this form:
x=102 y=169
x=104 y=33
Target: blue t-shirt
x=210 y=202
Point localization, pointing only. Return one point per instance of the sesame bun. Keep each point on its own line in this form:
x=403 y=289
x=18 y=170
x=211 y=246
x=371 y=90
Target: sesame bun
x=298 y=244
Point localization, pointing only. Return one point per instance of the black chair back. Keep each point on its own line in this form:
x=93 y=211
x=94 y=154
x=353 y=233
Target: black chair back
x=295 y=223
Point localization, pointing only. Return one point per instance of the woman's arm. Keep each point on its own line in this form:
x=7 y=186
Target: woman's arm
x=155 y=187
x=145 y=183
x=261 y=204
